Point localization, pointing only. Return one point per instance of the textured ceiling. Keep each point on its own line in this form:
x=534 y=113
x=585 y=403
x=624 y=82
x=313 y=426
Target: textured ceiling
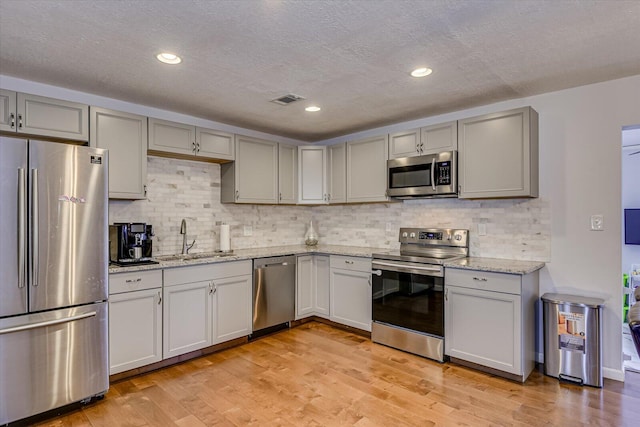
x=350 y=57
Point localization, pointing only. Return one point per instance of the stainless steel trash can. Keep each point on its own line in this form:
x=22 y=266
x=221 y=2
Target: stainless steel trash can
x=573 y=338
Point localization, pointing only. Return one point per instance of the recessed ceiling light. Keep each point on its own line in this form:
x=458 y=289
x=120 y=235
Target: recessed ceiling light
x=169 y=58
x=312 y=109
x=421 y=72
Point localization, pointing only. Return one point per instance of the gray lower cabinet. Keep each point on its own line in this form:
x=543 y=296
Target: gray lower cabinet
x=38 y=115
x=312 y=286
x=498 y=155
x=205 y=305
x=135 y=320
x=125 y=136
x=350 y=291
x=367 y=170
x=253 y=177
x=174 y=139
x=490 y=321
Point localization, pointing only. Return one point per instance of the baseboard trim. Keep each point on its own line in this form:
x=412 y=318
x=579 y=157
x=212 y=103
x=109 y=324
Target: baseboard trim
x=613 y=374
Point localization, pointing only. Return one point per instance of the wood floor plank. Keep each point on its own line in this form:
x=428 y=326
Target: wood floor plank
x=318 y=375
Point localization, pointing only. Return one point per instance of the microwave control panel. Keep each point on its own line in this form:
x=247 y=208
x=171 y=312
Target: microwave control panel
x=443 y=173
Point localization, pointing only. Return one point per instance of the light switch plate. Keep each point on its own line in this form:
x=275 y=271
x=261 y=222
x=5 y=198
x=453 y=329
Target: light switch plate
x=597 y=222
x=482 y=229
x=248 y=230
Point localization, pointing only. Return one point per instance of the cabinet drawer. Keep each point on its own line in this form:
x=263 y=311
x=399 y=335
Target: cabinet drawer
x=351 y=263
x=134 y=281
x=486 y=280
x=206 y=272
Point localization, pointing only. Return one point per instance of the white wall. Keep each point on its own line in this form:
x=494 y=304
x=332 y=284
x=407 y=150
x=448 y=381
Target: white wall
x=630 y=190
x=580 y=161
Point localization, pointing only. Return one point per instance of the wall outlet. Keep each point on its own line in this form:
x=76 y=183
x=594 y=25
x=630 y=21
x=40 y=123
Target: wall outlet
x=248 y=230
x=388 y=228
x=597 y=222
x=482 y=229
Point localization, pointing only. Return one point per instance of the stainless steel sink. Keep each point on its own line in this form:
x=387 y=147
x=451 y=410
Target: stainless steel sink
x=186 y=257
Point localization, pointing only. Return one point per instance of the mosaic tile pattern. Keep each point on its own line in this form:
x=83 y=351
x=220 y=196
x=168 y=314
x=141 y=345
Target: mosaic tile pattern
x=516 y=229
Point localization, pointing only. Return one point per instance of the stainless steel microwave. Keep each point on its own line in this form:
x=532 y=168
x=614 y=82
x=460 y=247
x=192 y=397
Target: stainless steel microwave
x=430 y=175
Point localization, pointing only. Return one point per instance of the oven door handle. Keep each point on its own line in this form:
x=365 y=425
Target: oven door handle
x=403 y=268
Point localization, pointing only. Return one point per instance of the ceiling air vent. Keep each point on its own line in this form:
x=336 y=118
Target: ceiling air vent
x=287 y=99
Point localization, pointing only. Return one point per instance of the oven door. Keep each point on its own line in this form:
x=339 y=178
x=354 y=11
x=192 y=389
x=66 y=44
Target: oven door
x=409 y=296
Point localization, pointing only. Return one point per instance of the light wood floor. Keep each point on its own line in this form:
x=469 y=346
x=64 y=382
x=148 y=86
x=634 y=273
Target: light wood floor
x=317 y=375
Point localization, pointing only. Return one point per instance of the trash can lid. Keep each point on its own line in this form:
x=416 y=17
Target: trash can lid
x=573 y=300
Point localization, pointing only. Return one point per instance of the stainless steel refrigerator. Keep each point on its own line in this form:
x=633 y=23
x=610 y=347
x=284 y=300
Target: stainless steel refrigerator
x=53 y=276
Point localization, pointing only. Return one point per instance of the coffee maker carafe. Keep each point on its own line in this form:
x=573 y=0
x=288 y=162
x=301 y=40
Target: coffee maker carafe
x=130 y=243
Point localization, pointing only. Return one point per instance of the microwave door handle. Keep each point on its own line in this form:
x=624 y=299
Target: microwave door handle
x=433 y=174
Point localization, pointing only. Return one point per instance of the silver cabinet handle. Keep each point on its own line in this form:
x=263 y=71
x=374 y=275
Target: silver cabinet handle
x=210 y=288
x=446 y=294
x=369 y=280
x=480 y=279
x=346 y=261
x=19 y=121
x=34 y=227
x=12 y=120
x=139 y=279
x=377 y=272
x=197 y=147
x=280 y=196
x=237 y=194
x=215 y=288
x=193 y=146
x=22 y=226
x=159 y=297
x=47 y=323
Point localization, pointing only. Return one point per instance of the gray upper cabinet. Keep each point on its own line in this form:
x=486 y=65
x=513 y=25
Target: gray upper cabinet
x=287 y=174
x=426 y=140
x=498 y=155
x=367 y=170
x=337 y=174
x=181 y=140
x=253 y=177
x=125 y=136
x=42 y=116
x=312 y=164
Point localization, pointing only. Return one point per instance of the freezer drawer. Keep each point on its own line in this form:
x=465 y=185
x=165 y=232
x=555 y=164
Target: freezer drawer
x=52 y=359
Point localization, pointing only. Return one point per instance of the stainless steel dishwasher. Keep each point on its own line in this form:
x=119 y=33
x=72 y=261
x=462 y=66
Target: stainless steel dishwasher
x=274 y=292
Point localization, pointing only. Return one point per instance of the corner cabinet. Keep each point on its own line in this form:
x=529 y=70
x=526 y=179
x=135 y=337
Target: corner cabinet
x=337 y=173
x=490 y=321
x=350 y=291
x=312 y=286
x=312 y=164
x=253 y=177
x=426 y=140
x=367 y=170
x=42 y=116
x=135 y=320
x=171 y=139
x=498 y=155
x=287 y=174
x=125 y=136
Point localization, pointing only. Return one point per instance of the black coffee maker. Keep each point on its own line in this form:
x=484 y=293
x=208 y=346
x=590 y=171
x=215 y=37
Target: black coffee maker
x=130 y=243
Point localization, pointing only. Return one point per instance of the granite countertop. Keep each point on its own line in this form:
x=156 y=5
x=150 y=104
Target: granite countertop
x=496 y=265
x=244 y=254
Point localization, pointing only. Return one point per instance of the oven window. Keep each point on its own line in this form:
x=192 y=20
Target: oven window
x=411 y=301
x=410 y=176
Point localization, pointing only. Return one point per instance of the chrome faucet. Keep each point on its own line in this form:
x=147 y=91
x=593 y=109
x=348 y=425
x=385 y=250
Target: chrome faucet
x=183 y=231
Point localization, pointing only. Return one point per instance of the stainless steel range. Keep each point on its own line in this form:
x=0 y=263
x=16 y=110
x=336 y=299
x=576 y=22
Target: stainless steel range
x=408 y=290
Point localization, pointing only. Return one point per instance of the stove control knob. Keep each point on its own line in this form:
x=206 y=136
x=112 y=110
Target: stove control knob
x=405 y=234
x=458 y=237
x=412 y=235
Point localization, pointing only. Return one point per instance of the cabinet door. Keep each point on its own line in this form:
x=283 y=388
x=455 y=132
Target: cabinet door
x=214 y=144
x=404 y=144
x=232 y=311
x=304 y=286
x=125 y=136
x=38 y=115
x=287 y=173
x=438 y=138
x=321 y=288
x=312 y=165
x=256 y=170
x=172 y=137
x=337 y=173
x=498 y=155
x=483 y=327
x=350 y=295
x=367 y=170
x=135 y=329
x=187 y=318
x=8 y=112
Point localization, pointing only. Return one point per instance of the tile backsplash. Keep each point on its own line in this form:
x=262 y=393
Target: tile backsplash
x=176 y=189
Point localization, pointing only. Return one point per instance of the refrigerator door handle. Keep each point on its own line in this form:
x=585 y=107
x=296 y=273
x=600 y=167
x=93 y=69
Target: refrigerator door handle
x=22 y=226
x=34 y=227
x=47 y=323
